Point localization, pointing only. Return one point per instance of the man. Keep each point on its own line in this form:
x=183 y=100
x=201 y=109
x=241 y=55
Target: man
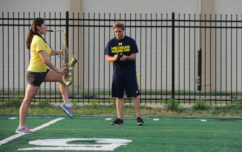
x=122 y=50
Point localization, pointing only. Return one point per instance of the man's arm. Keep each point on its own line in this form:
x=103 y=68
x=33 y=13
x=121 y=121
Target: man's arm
x=128 y=58
x=111 y=58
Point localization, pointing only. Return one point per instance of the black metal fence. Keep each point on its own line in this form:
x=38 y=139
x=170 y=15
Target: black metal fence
x=181 y=56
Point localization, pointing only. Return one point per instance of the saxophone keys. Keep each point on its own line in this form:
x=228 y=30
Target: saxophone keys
x=69 y=74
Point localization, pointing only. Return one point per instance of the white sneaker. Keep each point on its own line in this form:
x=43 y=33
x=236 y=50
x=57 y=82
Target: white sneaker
x=23 y=130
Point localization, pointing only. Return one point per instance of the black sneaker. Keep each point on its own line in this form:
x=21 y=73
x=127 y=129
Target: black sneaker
x=140 y=122
x=117 y=122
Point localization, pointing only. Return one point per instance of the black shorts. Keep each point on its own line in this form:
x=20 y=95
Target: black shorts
x=36 y=78
x=127 y=83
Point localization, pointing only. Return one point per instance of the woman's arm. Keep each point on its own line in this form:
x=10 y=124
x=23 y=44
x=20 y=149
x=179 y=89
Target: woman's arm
x=56 y=52
x=48 y=63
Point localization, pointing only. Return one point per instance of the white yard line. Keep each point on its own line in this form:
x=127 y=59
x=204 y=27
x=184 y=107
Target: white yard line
x=6 y=140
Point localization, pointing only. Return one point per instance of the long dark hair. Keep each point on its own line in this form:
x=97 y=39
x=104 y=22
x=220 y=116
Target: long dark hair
x=34 y=31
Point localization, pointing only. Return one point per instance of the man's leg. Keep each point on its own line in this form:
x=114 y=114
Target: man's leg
x=136 y=105
x=119 y=107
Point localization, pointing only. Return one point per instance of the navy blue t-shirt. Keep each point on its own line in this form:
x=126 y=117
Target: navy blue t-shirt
x=125 y=46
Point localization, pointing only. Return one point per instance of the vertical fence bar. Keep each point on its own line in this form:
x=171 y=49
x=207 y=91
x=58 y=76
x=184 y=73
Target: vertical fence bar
x=88 y=57
x=184 y=56
x=189 y=58
x=195 y=55
x=241 y=61
x=3 y=58
x=231 y=59
x=145 y=54
x=210 y=58
x=104 y=35
x=199 y=59
x=140 y=84
x=179 y=55
x=13 y=43
x=8 y=50
x=205 y=56
x=44 y=83
x=221 y=50
x=78 y=56
x=161 y=57
x=94 y=55
x=24 y=51
x=151 y=52
x=55 y=56
x=83 y=58
x=67 y=29
x=18 y=69
x=156 y=20
x=130 y=24
x=236 y=58
x=50 y=92
x=109 y=71
x=215 y=57
x=60 y=43
x=166 y=54
x=99 y=56
x=73 y=48
x=173 y=55
x=67 y=32
x=226 y=50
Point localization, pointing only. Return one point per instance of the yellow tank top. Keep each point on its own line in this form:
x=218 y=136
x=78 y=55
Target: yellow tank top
x=36 y=63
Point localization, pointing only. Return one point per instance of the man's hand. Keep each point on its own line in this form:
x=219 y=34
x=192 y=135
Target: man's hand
x=123 y=58
x=115 y=57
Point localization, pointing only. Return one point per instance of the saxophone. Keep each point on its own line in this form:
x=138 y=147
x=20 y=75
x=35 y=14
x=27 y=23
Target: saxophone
x=68 y=65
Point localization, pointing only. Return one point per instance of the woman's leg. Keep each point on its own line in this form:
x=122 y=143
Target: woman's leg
x=64 y=93
x=29 y=95
x=53 y=76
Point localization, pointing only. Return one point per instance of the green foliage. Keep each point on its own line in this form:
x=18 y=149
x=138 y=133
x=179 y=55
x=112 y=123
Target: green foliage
x=200 y=104
x=98 y=108
x=13 y=104
x=172 y=105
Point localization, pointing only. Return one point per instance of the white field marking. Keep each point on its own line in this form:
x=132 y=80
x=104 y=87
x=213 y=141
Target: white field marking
x=6 y=140
x=203 y=120
x=108 y=119
x=156 y=119
x=100 y=144
x=12 y=118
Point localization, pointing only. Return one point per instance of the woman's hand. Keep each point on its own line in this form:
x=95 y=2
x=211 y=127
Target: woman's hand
x=62 y=71
x=58 y=52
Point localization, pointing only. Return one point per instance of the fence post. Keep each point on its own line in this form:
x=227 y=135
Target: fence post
x=67 y=29
x=173 y=55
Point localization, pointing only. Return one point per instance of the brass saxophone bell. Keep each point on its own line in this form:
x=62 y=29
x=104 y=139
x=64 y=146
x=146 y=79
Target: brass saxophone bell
x=66 y=79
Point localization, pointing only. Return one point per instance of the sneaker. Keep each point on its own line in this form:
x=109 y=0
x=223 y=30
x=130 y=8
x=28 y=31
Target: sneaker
x=140 y=122
x=67 y=109
x=117 y=122
x=23 y=129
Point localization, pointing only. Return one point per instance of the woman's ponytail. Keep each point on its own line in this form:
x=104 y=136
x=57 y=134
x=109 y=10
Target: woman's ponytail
x=34 y=31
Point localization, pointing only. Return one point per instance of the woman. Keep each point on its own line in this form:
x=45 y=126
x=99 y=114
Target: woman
x=37 y=71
